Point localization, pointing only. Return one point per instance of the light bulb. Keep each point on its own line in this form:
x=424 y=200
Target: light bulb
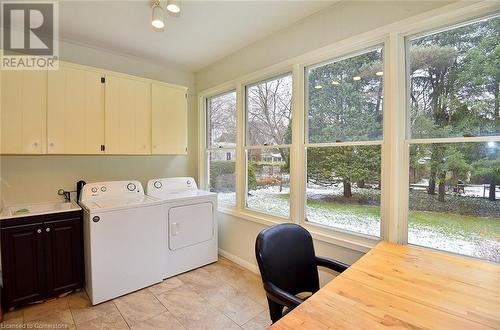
x=158 y=19
x=174 y=6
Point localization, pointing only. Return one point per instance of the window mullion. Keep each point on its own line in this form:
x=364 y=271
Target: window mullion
x=202 y=154
x=394 y=207
x=240 y=148
x=297 y=151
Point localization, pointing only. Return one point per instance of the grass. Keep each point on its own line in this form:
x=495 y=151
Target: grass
x=451 y=223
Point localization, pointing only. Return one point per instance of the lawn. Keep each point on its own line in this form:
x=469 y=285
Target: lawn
x=464 y=234
x=452 y=223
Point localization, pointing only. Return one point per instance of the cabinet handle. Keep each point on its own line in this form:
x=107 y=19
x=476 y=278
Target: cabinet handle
x=51 y=144
x=39 y=231
x=47 y=229
x=35 y=144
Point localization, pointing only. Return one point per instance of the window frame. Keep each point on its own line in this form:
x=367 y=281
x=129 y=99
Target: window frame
x=408 y=139
x=380 y=142
x=247 y=146
x=208 y=149
x=395 y=148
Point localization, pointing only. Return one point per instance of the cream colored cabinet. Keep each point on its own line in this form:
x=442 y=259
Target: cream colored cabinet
x=127 y=115
x=23 y=112
x=75 y=111
x=169 y=119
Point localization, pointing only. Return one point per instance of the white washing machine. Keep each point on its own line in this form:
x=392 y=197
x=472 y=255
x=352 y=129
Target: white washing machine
x=191 y=223
x=123 y=239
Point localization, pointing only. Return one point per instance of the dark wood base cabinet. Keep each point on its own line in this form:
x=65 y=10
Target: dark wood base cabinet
x=42 y=257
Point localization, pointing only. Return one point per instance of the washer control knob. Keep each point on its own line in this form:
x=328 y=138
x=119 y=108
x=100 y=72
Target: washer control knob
x=188 y=181
x=157 y=184
x=131 y=186
x=96 y=218
x=94 y=190
x=103 y=188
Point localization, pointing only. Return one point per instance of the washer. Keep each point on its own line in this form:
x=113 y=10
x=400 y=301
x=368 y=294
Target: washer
x=123 y=239
x=191 y=223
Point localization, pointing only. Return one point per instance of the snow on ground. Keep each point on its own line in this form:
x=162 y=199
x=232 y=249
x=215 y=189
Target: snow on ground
x=271 y=200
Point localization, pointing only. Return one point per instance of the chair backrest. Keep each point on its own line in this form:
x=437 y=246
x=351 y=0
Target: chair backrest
x=286 y=258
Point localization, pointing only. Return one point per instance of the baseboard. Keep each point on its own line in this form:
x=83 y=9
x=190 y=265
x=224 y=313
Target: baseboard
x=242 y=262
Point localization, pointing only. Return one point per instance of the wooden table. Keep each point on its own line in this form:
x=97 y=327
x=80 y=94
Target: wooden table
x=404 y=287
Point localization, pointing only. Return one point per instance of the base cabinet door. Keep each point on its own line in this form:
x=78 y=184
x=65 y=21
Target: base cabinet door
x=42 y=257
x=63 y=255
x=23 y=264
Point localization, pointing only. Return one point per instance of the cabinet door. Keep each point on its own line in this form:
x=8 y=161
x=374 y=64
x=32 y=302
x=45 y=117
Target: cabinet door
x=127 y=116
x=75 y=122
x=64 y=255
x=22 y=264
x=169 y=120
x=23 y=112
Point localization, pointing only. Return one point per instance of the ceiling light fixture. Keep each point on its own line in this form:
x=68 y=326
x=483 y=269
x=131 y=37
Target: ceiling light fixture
x=379 y=73
x=318 y=86
x=174 y=6
x=158 y=17
x=356 y=78
x=335 y=82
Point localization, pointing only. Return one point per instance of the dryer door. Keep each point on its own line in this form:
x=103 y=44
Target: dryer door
x=190 y=225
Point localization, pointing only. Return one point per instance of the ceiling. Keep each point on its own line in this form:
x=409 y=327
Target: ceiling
x=205 y=32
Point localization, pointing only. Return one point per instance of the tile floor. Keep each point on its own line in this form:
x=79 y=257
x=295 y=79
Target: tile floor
x=222 y=295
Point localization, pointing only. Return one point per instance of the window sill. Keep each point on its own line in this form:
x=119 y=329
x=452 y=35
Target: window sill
x=347 y=240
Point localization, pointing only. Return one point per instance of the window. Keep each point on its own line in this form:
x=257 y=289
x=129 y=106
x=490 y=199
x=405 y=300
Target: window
x=344 y=103
x=221 y=146
x=268 y=139
x=453 y=84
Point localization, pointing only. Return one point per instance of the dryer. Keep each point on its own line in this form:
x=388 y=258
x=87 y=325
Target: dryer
x=123 y=239
x=190 y=217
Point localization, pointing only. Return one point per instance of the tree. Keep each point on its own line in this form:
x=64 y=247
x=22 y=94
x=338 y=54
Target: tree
x=454 y=90
x=222 y=116
x=344 y=109
x=330 y=165
x=488 y=171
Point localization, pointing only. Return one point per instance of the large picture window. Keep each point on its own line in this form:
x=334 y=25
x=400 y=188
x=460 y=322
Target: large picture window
x=268 y=139
x=344 y=103
x=453 y=83
x=221 y=146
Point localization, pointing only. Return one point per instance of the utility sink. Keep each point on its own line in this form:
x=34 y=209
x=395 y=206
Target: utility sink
x=25 y=210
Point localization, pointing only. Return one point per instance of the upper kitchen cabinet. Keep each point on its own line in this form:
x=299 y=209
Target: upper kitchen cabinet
x=75 y=123
x=23 y=112
x=127 y=115
x=169 y=124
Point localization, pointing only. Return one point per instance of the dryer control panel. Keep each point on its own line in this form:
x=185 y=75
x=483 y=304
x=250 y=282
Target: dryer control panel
x=111 y=190
x=171 y=185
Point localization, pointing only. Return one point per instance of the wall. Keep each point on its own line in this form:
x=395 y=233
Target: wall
x=340 y=21
x=37 y=178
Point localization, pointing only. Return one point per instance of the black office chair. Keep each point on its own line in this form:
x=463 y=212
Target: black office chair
x=288 y=266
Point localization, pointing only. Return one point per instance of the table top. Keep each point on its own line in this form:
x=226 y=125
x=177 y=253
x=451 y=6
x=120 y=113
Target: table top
x=404 y=287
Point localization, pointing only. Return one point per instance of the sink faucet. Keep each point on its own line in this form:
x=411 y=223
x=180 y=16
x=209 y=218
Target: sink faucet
x=66 y=194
